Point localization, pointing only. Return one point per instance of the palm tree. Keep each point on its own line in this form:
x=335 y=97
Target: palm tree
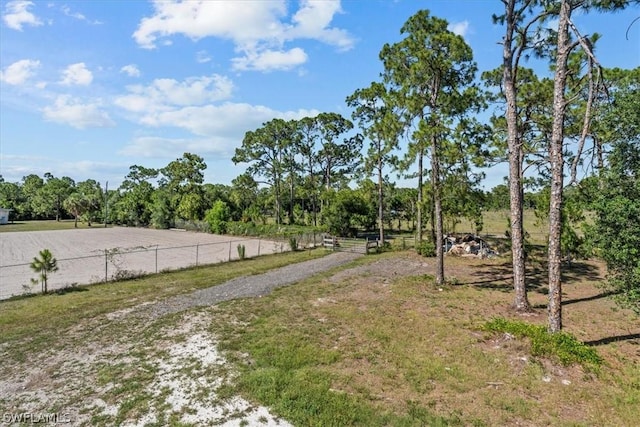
x=76 y=205
x=43 y=266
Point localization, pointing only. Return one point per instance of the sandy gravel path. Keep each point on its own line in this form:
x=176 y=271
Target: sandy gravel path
x=249 y=286
x=172 y=360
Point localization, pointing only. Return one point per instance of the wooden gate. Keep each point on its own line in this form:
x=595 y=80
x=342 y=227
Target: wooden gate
x=345 y=244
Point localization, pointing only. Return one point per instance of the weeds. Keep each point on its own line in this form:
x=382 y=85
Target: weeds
x=426 y=248
x=561 y=346
x=293 y=243
x=241 y=251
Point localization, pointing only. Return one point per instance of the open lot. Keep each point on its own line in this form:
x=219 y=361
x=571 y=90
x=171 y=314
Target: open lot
x=101 y=254
x=374 y=342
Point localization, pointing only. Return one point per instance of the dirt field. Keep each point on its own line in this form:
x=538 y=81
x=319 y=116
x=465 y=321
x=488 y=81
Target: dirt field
x=95 y=255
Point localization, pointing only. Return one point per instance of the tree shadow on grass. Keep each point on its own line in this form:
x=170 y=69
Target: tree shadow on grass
x=583 y=299
x=69 y=289
x=580 y=272
x=590 y=298
x=617 y=338
x=500 y=276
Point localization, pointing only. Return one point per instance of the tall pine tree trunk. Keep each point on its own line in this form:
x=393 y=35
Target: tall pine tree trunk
x=521 y=301
x=557 y=169
x=276 y=189
x=291 y=198
x=419 y=204
x=437 y=208
x=380 y=201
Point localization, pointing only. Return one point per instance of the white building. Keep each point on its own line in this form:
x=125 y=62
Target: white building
x=4 y=215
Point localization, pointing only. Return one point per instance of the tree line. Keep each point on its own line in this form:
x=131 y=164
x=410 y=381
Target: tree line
x=420 y=120
x=148 y=198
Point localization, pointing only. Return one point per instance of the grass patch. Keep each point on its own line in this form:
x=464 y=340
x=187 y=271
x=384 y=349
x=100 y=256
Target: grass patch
x=305 y=397
x=373 y=348
x=38 y=319
x=561 y=346
x=316 y=360
x=371 y=343
x=66 y=224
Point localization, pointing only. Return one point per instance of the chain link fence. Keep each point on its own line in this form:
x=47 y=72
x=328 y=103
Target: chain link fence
x=114 y=264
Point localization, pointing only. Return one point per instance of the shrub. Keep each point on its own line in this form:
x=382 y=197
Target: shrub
x=426 y=248
x=561 y=346
x=241 y=251
x=348 y=212
x=217 y=217
x=293 y=243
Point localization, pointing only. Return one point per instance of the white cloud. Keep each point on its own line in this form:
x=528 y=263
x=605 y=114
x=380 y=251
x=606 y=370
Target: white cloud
x=164 y=94
x=228 y=119
x=220 y=129
x=77 y=74
x=312 y=21
x=159 y=147
x=202 y=57
x=240 y=21
x=258 y=29
x=131 y=70
x=459 y=28
x=73 y=112
x=17 y=14
x=90 y=169
x=271 y=60
x=15 y=167
x=79 y=16
x=19 y=72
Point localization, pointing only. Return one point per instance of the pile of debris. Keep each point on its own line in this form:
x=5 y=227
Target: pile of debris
x=468 y=245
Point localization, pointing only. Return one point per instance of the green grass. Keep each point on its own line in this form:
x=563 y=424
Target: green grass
x=359 y=348
x=38 y=318
x=329 y=352
x=67 y=224
x=495 y=223
x=561 y=346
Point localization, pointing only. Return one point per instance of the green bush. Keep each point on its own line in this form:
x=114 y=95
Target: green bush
x=218 y=217
x=561 y=346
x=293 y=243
x=426 y=248
x=348 y=212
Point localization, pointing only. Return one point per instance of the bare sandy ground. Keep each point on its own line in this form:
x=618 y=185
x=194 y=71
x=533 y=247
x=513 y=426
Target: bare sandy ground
x=95 y=255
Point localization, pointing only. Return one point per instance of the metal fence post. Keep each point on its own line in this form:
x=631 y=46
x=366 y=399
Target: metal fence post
x=106 y=266
x=197 y=253
x=156 y=258
x=258 y=247
x=229 y=250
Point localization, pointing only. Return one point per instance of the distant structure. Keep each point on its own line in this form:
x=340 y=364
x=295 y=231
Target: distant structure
x=4 y=215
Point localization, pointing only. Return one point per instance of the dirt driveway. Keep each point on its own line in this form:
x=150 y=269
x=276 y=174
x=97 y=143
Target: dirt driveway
x=161 y=356
x=99 y=254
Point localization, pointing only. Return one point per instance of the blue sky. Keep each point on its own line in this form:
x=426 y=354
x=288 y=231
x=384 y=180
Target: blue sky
x=89 y=88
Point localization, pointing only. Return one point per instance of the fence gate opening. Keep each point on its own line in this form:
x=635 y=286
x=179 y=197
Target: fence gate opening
x=346 y=244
